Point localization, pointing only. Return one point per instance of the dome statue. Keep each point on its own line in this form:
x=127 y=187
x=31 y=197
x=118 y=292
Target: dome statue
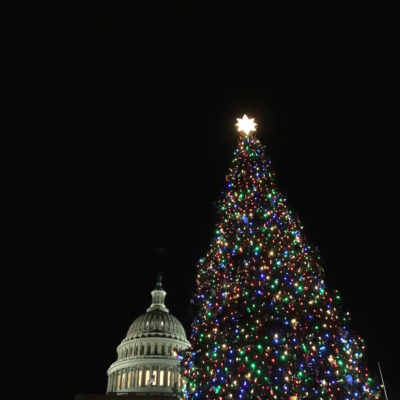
x=147 y=359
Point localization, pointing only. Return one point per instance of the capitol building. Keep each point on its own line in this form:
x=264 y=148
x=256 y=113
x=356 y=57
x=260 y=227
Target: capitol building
x=147 y=365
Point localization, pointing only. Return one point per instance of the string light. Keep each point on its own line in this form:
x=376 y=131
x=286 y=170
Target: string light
x=265 y=325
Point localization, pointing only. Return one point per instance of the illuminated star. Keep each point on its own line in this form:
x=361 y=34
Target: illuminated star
x=246 y=125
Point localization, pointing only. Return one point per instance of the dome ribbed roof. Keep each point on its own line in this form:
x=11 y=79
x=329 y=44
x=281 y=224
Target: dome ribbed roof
x=154 y=323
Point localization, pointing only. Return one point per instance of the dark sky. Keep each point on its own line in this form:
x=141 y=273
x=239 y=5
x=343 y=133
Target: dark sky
x=119 y=129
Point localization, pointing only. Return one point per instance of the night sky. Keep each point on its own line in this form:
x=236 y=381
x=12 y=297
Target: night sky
x=119 y=130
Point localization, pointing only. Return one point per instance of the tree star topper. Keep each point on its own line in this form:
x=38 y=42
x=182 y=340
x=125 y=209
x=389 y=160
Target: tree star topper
x=246 y=125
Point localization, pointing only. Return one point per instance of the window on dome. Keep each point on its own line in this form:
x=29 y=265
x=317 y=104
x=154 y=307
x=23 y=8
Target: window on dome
x=162 y=377
x=129 y=379
x=140 y=375
x=163 y=350
x=119 y=381
x=169 y=378
x=147 y=376
x=123 y=381
x=155 y=349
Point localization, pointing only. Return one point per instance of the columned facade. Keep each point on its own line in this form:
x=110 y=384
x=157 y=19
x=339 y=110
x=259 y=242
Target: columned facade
x=147 y=358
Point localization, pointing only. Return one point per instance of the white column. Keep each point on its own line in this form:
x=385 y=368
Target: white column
x=137 y=377
x=115 y=381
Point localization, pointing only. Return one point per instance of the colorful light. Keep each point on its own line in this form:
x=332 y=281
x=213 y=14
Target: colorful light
x=266 y=327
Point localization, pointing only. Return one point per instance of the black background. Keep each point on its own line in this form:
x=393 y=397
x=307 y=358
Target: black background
x=119 y=129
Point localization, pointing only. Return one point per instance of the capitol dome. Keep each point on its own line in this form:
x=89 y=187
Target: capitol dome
x=156 y=322
x=147 y=359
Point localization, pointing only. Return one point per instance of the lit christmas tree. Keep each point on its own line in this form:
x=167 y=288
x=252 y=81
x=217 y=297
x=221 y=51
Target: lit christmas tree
x=266 y=327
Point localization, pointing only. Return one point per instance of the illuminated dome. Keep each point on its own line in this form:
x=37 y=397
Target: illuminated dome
x=156 y=323
x=147 y=361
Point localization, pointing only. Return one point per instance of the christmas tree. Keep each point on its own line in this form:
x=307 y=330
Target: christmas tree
x=266 y=327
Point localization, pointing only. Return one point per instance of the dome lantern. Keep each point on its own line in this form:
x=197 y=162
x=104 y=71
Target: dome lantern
x=158 y=296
